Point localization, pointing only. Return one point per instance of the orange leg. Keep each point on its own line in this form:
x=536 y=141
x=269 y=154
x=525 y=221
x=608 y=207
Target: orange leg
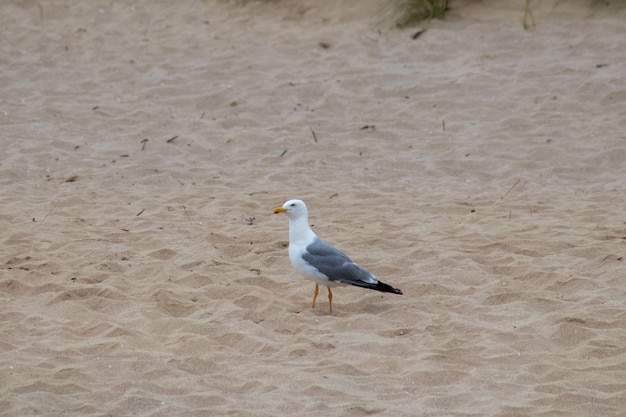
x=330 y=300
x=317 y=290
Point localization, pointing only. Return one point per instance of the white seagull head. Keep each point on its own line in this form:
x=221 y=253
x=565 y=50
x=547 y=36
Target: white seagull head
x=294 y=209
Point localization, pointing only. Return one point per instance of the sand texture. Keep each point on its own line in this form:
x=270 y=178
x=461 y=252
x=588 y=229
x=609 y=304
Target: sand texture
x=480 y=168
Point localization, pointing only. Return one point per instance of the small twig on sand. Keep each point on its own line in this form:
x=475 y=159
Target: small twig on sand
x=50 y=211
x=144 y=141
x=507 y=193
x=417 y=34
x=314 y=135
x=187 y=214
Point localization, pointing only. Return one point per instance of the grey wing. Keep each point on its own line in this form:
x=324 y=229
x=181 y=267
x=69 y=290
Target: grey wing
x=336 y=265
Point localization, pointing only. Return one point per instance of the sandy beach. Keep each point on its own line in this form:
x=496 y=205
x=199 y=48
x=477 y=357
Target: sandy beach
x=480 y=168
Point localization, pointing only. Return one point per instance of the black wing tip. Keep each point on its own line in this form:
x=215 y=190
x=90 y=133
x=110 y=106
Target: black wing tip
x=381 y=286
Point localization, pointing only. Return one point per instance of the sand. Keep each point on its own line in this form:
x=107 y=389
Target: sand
x=480 y=168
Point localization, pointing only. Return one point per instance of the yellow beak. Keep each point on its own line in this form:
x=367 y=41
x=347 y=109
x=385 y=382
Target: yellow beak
x=279 y=210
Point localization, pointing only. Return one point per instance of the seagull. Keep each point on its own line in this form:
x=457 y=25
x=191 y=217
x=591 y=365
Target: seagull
x=318 y=261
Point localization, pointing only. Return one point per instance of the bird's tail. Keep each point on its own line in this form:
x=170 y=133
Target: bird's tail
x=382 y=287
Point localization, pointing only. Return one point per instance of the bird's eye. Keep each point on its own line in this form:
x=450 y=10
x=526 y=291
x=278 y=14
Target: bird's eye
x=293 y=204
